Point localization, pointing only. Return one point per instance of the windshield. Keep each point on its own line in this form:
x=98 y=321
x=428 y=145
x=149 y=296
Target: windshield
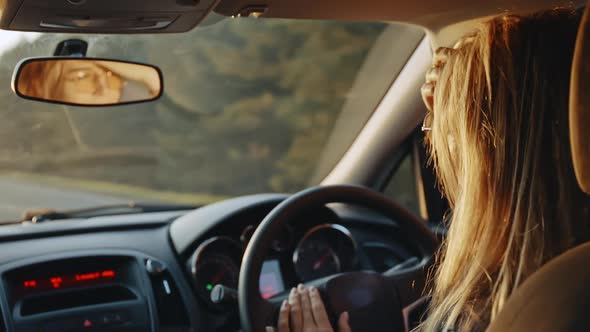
x=249 y=106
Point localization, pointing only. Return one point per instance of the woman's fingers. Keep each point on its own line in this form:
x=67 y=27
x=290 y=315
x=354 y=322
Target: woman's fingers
x=305 y=307
x=439 y=59
x=296 y=313
x=465 y=40
x=284 y=318
x=433 y=74
x=343 y=324
x=441 y=56
x=427 y=91
x=318 y=309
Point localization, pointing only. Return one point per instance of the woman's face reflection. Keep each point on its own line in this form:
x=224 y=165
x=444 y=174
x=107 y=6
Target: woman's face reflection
x=89 y=81
x=84 y=82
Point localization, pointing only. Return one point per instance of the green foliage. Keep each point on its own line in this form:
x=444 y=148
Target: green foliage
x=248 y=108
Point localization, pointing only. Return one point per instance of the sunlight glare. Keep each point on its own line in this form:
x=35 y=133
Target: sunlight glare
x=9 y=39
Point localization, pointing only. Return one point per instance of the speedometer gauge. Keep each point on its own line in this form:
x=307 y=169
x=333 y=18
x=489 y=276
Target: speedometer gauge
x=215 y=262
x=325 y=250
x=316 y=259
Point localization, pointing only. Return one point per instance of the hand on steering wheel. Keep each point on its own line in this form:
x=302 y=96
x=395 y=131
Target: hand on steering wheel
x=374 y=300
x=305 y=312
x=439 y=59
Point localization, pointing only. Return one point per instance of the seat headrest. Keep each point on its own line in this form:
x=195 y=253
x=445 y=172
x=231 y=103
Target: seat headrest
x=579 y=104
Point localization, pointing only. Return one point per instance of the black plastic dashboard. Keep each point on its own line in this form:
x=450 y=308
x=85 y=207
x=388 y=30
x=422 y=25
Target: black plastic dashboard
x=153 y=272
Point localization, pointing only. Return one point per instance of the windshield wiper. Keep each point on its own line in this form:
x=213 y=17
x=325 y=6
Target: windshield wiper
x=108 y=210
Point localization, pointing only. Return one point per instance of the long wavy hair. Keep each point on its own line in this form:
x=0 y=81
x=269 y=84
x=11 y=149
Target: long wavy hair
x=499 y=145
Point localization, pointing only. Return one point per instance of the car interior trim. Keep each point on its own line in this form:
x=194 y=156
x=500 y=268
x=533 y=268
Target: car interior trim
x=394 y=119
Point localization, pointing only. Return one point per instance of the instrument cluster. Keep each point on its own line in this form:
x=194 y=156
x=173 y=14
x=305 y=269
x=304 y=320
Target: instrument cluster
x=321 y=251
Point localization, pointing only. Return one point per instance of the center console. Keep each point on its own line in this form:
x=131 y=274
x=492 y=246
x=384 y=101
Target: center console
x=99 y=292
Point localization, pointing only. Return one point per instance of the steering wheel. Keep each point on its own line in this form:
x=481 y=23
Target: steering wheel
x=373 y=300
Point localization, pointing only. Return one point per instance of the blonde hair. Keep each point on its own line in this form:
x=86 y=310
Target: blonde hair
x=500 y=148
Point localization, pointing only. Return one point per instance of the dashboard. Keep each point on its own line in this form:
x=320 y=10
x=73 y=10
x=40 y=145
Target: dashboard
x=156 y=271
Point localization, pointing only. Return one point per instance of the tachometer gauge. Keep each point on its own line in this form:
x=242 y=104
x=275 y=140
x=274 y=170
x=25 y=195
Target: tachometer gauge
x=216 y=270
x=324 y=250
x=216 y=262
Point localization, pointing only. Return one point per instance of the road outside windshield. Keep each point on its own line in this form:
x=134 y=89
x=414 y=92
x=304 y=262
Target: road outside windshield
x=250 y=106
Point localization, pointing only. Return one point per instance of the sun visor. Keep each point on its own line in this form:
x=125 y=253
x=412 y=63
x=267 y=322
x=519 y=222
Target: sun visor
x=104 y=16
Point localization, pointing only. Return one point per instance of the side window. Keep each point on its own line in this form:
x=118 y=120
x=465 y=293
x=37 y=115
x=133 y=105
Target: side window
x=402 y=186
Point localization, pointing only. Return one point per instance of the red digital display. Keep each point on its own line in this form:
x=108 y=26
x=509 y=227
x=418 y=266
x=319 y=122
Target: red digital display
x=30 y=283
x=87 y=276
x=108 y=274
x=271 y=281
x=56 y=282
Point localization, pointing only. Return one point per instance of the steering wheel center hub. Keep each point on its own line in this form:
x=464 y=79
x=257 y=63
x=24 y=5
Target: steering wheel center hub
x=372 y=304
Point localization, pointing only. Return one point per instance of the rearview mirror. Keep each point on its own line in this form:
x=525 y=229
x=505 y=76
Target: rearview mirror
x=86 y=81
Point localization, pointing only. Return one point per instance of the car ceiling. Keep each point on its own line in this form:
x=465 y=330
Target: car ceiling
x=445 y=20
x=432 y=14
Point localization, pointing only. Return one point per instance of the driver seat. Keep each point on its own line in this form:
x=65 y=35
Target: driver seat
x=557 y=297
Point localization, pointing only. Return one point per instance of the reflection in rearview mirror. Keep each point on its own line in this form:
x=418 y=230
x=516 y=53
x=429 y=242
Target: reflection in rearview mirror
x=86 y=81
